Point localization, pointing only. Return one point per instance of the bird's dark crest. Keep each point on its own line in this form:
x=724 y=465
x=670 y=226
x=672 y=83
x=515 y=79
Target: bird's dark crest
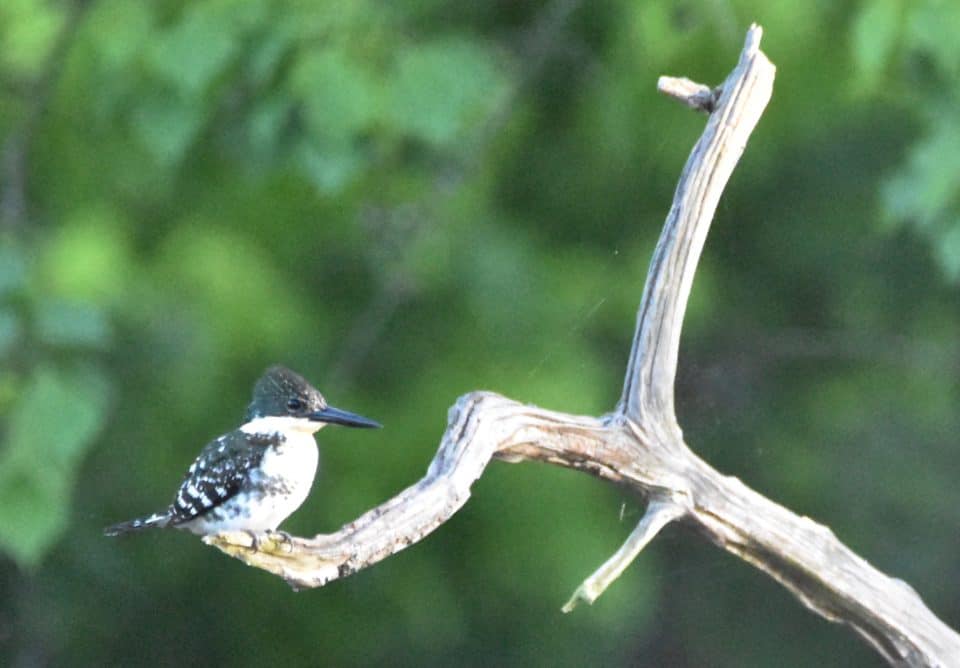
x=276 y=387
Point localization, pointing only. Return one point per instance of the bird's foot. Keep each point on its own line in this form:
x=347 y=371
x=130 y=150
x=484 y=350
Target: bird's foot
x=283 y=536
x=254 y=539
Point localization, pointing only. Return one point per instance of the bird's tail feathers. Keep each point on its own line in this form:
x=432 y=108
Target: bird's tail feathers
x=157 y=520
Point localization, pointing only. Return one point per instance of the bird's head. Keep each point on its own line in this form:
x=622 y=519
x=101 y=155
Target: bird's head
x=282 y=393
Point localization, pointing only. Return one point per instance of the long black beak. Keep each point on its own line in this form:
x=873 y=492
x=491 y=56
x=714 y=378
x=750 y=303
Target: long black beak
x=333 y=415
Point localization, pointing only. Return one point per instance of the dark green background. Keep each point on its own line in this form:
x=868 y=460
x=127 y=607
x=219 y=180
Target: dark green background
x=407 y=201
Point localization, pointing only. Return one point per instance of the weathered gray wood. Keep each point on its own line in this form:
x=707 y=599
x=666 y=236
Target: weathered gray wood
x=640 y=444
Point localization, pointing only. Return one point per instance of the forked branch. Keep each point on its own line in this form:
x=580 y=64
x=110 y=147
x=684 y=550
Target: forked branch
x=640 y=445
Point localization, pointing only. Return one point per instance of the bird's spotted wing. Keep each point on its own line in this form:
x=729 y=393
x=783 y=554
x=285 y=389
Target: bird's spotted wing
x=217 y=474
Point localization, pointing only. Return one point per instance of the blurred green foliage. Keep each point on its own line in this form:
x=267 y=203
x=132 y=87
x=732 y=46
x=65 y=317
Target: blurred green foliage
x=57 y=415
x=407 y=201
x=907 y=50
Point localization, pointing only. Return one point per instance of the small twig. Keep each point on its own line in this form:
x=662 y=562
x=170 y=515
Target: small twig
x=659 y=514
x=695 y=95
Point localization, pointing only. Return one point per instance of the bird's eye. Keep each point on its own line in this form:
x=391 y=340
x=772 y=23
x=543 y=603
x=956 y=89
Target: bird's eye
x=294 y=405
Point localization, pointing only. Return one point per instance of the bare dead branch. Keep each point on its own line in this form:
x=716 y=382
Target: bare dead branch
x=640 y=446
x=651 y=371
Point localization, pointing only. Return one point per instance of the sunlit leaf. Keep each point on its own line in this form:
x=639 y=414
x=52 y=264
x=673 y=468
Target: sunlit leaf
x=88 y=257
x=28 y=30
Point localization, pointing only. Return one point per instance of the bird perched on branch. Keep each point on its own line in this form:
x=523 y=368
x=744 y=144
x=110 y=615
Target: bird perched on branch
x=254 y=477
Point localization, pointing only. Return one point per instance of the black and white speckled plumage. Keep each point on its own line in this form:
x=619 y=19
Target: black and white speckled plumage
x=220 y=472
x=254 y=477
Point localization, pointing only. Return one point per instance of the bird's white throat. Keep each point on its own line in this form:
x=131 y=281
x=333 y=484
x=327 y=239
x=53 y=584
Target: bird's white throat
x=273 y=424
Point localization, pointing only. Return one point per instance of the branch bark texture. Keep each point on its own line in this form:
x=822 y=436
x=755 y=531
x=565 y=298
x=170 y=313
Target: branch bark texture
x=640 y=444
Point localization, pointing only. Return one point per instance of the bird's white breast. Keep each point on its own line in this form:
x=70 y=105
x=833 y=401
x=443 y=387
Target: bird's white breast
x=278 y=486
x=291 y=468
x=294 y=461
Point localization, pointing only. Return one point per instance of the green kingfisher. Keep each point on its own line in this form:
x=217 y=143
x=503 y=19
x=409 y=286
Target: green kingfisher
x=254 y=477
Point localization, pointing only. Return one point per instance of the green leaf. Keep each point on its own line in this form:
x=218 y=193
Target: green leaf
x=167 y=127
x=265 y=128
x=48 y=430
x=28 y=30
x=121 y=30
x=339 y=96
x=441 y=89
x=88 y=257
x=13 y=269
x=60 y=322
x=932 y=27
x=193 y=53
x=267 y=53
x=923 y=193
x=329 y=166
x=233 y=282
x=9 y=330
x=947 y=251
x=339 y=100
x=876 y=30
x=924 y=189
